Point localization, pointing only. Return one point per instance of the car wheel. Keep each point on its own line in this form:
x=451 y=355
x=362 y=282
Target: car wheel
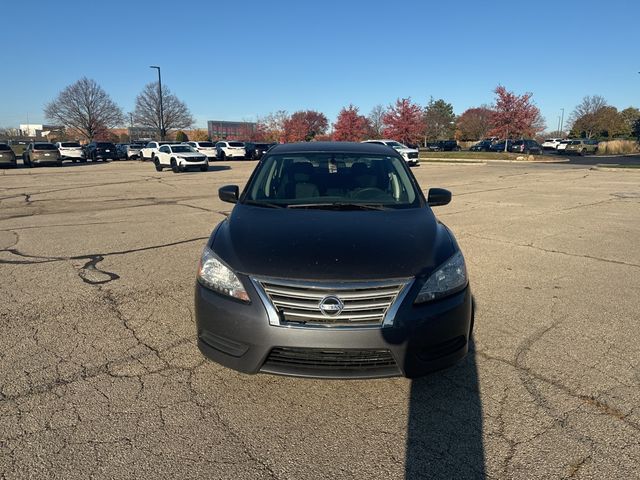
x=158 y=166
x=204 y=168
x=583 y=152
x=59 y=163
x=174 y=166
x=223 y=156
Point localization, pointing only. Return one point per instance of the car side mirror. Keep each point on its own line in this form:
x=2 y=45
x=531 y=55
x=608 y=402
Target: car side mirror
x=229 y=193
x=438 y=196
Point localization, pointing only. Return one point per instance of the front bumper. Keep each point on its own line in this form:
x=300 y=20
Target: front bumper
x=424 y=338
x=192 y=163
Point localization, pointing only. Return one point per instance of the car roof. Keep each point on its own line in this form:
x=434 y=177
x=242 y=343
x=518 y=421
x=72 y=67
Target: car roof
x=342 y=147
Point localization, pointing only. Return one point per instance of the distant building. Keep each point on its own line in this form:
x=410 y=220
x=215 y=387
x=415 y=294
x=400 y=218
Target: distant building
x=221 y=130
x=143 y=133
x=40 y=130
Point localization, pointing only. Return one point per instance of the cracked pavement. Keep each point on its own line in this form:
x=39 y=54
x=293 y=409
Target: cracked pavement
x=100 y=376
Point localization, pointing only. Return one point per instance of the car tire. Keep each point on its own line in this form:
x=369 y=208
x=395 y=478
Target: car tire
x=158 y=166
x=204 y=168
x=59 y=163
x=223 y=156
x=174 y=166
x=583 y=152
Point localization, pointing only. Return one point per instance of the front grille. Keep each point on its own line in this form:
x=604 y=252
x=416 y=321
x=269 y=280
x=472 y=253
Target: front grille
x=329 y=362
x=364 y=304
x=413 y=154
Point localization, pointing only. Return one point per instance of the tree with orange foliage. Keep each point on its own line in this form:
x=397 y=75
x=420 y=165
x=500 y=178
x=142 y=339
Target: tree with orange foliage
x=403 y=121
x=350 y=126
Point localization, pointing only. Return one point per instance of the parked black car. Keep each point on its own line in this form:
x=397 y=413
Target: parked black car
x=332 y=264
x=499 y=146
x=443 y=146
x=526 y=146
x=255 y=151
x=482 y=146
x=101 y=151
x=121 y=150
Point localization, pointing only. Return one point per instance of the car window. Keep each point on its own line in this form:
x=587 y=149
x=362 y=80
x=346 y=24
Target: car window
x=44 y=146
x=206 y=144
x=165 y=149
x=332 y=178
x=182 y=149
x=4 y=147
x=396 y=145
x=236 y=144
x=70 y=144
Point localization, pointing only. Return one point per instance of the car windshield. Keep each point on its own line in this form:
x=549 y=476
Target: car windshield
x=4 y=147
x=206 y=144
x=104 y=145
x=333 y=181
x=236 y=144
x=70 y=144
x=396 y=145
x=44 y=146
x=182 y=148
x=576 y=142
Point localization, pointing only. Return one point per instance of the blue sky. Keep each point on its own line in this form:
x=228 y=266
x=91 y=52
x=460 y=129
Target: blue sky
x=234 y=60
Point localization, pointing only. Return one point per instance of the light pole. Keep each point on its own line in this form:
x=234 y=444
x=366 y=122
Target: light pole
x=562 y=122
x=161 y=109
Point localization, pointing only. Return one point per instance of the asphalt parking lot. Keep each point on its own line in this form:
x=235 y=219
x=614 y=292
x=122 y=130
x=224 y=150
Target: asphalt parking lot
x=100 y=376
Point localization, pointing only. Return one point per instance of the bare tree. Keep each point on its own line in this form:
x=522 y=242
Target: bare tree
x=375 y=120
x=86 y=108
x=589 y=106
x=147 y=110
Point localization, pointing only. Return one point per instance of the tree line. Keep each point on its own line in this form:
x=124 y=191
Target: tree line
x=85 y=108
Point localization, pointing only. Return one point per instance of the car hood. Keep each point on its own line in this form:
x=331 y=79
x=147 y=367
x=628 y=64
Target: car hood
x=314 y=244
x=188 y=154
x=405 y=150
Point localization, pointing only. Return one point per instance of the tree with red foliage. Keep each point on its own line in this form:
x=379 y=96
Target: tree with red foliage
x=474 y=123
x=304 y=125
x=403 y=121
x=515 y=116
x=350 y=125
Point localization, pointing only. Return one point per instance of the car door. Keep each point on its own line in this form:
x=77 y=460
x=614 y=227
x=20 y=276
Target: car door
x=164 y=155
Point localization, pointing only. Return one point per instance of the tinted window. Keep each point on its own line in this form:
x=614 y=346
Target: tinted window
x=236 y=144
x=44 y=146
x=324 y=179
x=182 y=148
x=165 y=149
x=105 y=145
x=70 y=144
x=575 y=142
x=4 y=147
x=206 y=144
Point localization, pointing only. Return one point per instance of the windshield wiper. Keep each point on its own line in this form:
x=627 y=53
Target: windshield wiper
x=340 y=206
x=265 y=204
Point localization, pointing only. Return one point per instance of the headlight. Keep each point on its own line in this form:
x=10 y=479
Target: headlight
x=450 y=277
x=215 y=275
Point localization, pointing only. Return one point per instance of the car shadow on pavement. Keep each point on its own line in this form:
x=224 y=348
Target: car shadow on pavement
x=444 y=428
x=218 y=168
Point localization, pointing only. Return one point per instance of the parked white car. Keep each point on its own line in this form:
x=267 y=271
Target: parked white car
x=551 y=143
x=70 y=151
x=152 y=148
x=562 y=146
x=410 y=155
x=230 y=150
x=179 y=158
x=208 y=148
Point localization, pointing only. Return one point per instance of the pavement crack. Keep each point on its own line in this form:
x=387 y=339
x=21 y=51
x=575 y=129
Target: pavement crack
x=552 y=250
x=90 y=267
